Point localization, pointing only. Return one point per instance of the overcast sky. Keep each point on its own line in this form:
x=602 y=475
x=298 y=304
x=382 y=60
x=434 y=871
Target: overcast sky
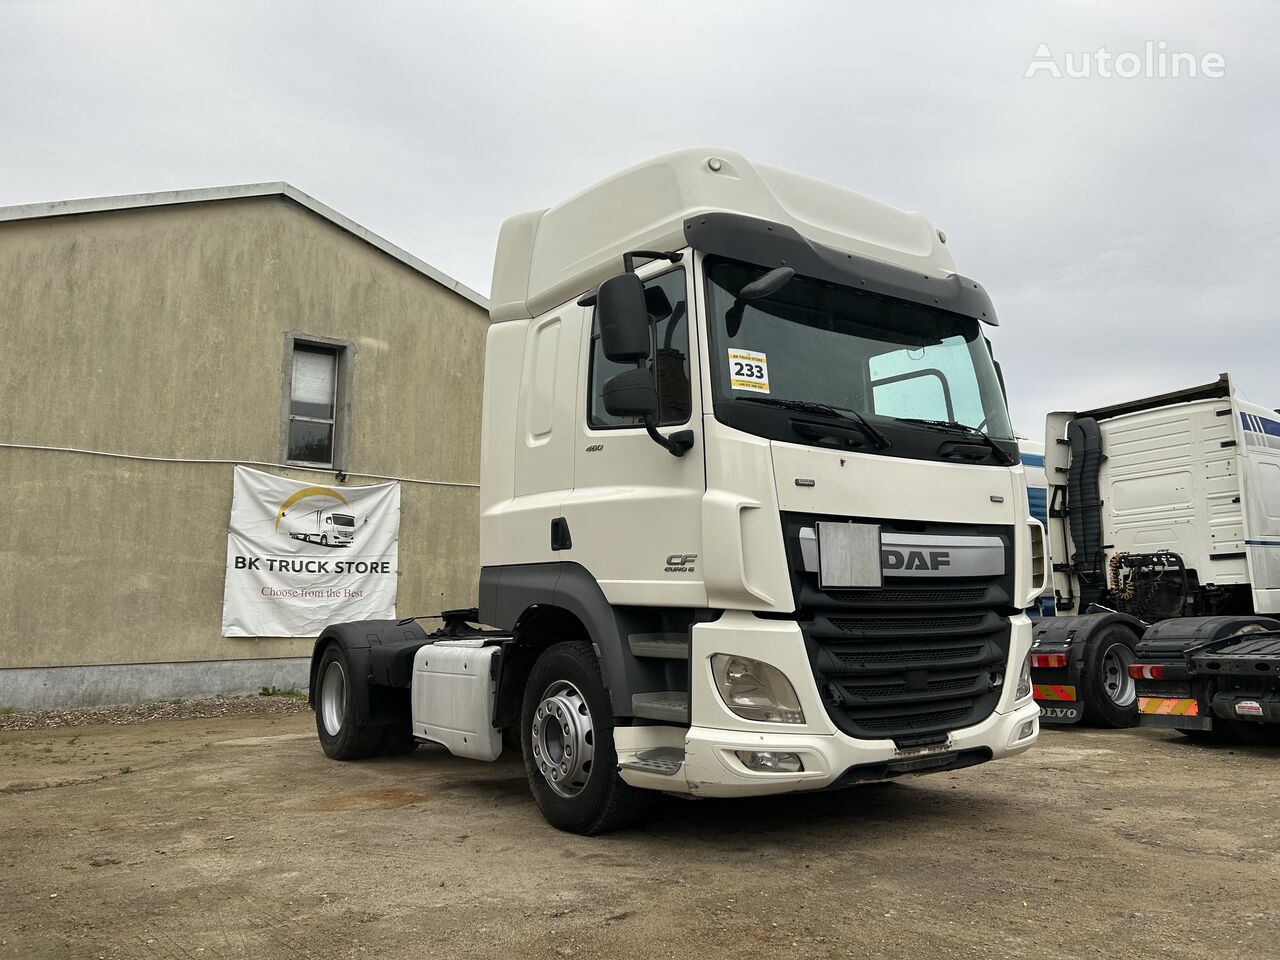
x=1127 y=229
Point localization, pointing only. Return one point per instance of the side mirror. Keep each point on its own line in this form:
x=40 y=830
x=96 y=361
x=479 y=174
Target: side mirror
x=631 y=394
x=623 y=313
x=767 y=285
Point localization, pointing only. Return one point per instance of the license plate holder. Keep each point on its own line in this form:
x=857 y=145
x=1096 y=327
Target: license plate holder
x=849 y=555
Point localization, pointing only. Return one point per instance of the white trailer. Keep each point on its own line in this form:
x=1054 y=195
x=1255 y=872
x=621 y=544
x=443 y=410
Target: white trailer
x=752 y=518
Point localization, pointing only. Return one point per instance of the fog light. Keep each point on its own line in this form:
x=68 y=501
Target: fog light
x=755 y=690
x=1024 y=730
x=1024 y=681
x=769 y=762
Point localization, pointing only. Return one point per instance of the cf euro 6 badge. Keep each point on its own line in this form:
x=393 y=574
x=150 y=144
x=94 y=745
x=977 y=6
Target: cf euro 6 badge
x=681 y=563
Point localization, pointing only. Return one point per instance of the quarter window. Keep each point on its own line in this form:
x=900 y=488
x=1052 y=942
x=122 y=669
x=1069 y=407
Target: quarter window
x=668 y=356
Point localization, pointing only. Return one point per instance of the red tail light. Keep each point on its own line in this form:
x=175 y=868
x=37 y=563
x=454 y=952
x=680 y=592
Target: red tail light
x=1146 y=671
x=1048 y=660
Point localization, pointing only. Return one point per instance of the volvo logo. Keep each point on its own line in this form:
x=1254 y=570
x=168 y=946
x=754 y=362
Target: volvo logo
x=915 y=559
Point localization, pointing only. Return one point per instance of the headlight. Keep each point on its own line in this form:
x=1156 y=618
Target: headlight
x=1024 y=681
x=755 y=690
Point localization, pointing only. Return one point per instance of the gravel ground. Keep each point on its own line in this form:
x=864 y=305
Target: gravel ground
x=274 y=704
x=234 y=837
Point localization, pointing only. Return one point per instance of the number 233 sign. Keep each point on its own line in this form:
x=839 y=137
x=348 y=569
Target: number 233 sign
x=748 y=370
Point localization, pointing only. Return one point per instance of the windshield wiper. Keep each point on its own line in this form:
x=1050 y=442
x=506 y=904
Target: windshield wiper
x=843 y=414
x=958 y=427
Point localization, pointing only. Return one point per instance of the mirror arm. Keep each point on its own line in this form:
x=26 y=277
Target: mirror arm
x=628 y=259
x=677 y=444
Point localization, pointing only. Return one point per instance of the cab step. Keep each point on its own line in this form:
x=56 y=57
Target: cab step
x=664 y=761
x=669 y=705
x=669 y=646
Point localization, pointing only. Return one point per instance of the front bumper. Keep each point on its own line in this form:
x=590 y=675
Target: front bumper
x=710 y=765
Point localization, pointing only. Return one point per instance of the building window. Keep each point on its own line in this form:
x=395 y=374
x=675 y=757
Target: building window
x=315 y=404
x=669 y=356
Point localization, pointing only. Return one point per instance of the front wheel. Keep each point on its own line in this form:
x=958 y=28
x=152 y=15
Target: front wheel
x=567 y=742
x=1110 y=694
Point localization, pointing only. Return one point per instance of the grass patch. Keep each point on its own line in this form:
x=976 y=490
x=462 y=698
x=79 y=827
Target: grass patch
x=292 y=693
x=6 y=711
x=126 y=770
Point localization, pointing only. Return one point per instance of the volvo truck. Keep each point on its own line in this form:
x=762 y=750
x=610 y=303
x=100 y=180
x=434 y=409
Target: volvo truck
x=1164 y=522
x=752 y=516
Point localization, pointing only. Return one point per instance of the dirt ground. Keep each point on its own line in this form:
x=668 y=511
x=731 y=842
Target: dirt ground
x=234 y=837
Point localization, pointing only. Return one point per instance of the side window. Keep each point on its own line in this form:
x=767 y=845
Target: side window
x=669 y=359
x=315 y=405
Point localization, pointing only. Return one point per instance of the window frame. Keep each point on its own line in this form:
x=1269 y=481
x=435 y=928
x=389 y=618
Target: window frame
x=593 y=335
x=344 y=363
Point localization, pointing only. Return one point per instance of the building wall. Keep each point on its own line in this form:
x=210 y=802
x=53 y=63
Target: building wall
x=160 y=332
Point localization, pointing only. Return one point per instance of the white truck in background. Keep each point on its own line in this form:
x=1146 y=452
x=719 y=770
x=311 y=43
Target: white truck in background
x=329 y=528
x=752 y=518
x=1164 y=521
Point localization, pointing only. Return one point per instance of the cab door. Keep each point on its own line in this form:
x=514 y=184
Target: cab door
x=634 y=514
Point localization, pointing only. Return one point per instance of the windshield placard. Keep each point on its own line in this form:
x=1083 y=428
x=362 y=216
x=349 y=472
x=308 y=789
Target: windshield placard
x=748 y=370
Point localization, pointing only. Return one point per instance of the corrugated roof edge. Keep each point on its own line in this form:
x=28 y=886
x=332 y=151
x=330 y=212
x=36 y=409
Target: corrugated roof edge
x=63 y=208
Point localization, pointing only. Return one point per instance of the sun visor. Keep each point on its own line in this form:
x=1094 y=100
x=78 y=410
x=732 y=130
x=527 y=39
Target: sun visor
x=772 y=244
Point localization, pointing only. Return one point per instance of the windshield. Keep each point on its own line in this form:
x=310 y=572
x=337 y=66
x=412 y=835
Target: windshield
x=342 y=520
x=822 y=343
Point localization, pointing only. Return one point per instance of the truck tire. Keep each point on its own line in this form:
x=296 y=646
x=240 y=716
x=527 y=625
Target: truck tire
x=1109 y=693
x=342 y=735
x=567 y=742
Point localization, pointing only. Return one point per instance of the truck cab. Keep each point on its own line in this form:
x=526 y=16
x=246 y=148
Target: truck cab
x=1164 y=516
x=823 y=581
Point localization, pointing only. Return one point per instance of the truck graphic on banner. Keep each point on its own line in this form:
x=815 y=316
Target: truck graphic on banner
x=329 y=528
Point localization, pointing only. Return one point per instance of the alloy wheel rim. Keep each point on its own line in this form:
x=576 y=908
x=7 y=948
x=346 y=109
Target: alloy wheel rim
x=563 y=739
x=1121 y=688
x=333 y=698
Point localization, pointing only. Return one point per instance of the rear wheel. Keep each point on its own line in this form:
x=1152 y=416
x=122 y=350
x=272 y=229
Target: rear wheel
x=1110 y=694
x=567 y=742
x=341 y=735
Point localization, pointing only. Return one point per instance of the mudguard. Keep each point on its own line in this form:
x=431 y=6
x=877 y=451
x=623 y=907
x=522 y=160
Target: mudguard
x=381 y=652
x=1058 y=689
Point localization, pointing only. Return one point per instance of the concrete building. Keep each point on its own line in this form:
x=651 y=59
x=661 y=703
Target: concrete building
x=152 y=342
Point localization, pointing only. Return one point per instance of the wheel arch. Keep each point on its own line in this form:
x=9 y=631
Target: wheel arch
x=375 y=704
x=516 y=597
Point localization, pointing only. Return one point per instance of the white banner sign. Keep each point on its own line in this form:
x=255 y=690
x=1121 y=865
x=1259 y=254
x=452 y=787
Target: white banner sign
x=301 y=555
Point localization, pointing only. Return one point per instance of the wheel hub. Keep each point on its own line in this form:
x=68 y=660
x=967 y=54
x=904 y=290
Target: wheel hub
x=333 y=698
x=1121 y=688
x=563 y=739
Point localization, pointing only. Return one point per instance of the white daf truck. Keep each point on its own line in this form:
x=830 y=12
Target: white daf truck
x=1164 y=521
x=752 y=517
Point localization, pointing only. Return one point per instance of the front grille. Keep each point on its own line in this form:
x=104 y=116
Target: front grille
x=920 y=595
x=937 y=718
x=861 y=658
x=913 y=659
x=897 y=689
x=924 y=625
